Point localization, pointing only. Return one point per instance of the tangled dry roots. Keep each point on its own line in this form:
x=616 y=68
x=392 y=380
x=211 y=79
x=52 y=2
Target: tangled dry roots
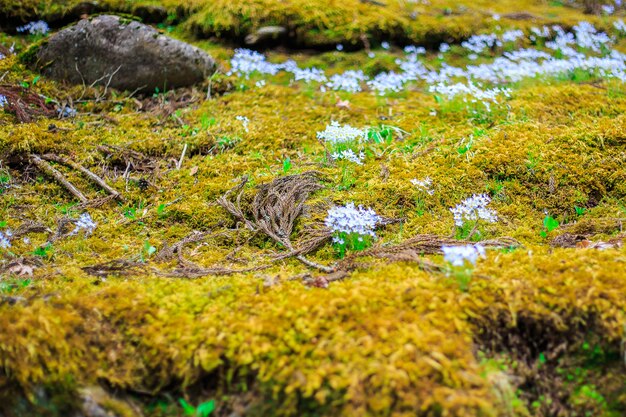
x=25 y=104
x=275 y=209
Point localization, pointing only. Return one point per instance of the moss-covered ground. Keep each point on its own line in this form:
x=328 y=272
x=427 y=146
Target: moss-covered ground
x=108 y=321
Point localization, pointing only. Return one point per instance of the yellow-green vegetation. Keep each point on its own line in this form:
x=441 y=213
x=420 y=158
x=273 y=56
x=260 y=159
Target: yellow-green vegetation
x=119 y=319
x=324 y=23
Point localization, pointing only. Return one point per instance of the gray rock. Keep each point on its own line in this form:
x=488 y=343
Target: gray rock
x=124 y=54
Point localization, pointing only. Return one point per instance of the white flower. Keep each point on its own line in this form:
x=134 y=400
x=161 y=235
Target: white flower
x=3 y=100
x=349 y=81
x=35 y=28
x=84 y=222
x=424 y=185
x=246 y=62
x=348 y=219
x=444 y=47
x=387 y=81
x=608 y=9
x=339 y=47
x=385 y=45
x=474 y=208
x=412 y=49
x=260 y=83
x=459 y=255
x=5 y=239
x=244 y=121
x=335 y=133
x=309 y=74
x=349 y=155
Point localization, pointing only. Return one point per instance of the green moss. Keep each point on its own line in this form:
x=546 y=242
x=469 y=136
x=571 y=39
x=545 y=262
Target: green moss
x=391 y=339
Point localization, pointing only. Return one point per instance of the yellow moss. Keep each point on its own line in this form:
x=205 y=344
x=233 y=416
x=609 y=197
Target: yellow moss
x=389 y=340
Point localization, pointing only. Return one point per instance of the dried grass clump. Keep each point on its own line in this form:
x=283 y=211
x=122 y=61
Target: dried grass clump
x=275 y=209
x=25 y=104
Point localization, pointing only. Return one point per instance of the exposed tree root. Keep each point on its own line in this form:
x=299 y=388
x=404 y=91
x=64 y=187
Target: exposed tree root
x=191 y=270
x=408 y=251
x=115 y=267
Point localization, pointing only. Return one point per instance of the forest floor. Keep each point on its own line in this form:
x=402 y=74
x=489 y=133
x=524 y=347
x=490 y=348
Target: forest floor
x=179 y=258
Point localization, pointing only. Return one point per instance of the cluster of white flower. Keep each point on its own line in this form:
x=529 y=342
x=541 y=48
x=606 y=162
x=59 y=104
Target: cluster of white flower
x=459 y=255
x=584 y=48
x=349 y=155
x=471 y=90
x=349 y=81
x=474 y=208
x=620 y=26
x=424 y=185
x=244 y=121
x=478 y=43
x=336 y=134
x=5 y=239
x=608 y=9
x=245 y=62
x=84 y=222
x=349 y=219
x=3 y=100
x=416 y=50
x=512 y=36
x=386 y=82
x=543 y=32
x=309 y=75
x=35 y=28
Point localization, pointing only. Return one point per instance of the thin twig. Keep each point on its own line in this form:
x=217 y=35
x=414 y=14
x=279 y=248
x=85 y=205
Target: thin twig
x=182 y=156
x=95 y=178
x=50 y=170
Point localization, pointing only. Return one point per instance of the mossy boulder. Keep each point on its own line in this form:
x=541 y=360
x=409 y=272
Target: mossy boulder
x=122 y=54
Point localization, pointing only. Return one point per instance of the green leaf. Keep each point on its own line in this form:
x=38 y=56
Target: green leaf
x=148 y=248
x=187 y=408
x=550 y=223
x=286 y=164
x=205 y=409
x=36 y=79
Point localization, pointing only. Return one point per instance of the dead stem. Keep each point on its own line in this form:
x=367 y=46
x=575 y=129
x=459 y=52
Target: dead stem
x=51 y=171
x=95 y=178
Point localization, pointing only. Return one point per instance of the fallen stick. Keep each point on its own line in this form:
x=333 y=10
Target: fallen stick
x=51 y=171
x=95 y=178
x=182 y=156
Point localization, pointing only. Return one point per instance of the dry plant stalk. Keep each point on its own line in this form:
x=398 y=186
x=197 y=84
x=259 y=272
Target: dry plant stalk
x=51 y=171
x=40 y=161
x=95 y=178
